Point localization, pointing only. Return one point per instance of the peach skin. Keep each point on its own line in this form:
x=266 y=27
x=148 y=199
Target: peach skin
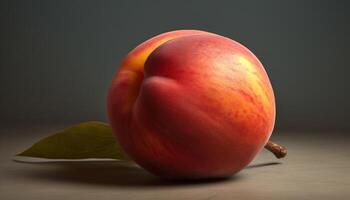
x=191 y=104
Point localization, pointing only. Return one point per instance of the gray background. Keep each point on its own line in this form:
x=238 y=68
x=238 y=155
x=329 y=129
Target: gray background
x=58 y=57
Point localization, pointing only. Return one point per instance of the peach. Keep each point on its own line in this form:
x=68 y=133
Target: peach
x=191 y=104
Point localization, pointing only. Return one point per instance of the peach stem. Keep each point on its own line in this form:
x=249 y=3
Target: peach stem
x=278 y=150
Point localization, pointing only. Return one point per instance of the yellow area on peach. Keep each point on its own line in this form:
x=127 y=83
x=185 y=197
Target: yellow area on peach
x=254 y=80
x=136 y=61
x=130 y=74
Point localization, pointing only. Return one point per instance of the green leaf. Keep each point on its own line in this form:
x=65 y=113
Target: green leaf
x=85 y=140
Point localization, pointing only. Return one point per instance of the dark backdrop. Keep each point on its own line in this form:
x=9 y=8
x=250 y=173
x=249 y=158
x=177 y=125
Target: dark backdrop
x=58 y=57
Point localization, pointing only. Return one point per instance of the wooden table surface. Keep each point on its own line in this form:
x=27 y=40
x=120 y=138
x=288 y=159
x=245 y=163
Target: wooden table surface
x=317 y=167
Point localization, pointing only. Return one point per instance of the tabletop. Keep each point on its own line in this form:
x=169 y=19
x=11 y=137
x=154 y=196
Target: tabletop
x=317 y=167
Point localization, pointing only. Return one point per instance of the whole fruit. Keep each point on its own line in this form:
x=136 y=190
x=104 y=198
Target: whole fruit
x=190 y=104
